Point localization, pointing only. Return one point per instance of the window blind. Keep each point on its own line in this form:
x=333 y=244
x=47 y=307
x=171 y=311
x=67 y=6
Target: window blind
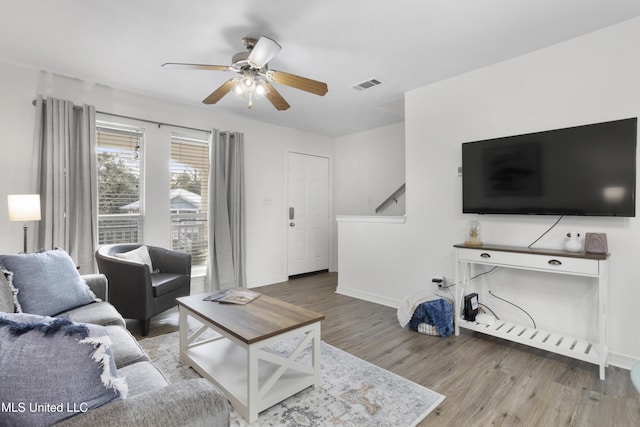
x=120 y=196
x=189 y=197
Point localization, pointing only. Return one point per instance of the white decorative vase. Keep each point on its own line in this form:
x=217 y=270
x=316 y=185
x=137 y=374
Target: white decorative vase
x=573 y=243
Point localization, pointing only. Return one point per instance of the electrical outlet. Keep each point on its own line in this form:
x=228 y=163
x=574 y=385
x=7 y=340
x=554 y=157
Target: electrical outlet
x=440 y=280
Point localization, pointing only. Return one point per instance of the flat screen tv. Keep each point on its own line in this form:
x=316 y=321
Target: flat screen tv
x=584 y=170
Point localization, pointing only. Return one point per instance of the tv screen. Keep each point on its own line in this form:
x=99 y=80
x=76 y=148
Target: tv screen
x=583 y=170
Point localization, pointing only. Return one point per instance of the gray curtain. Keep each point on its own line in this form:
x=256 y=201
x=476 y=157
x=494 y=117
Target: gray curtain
x=65 y=137
x=226 y=266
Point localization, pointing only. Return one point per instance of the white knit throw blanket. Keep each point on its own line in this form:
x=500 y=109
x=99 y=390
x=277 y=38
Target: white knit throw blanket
x=409 y=304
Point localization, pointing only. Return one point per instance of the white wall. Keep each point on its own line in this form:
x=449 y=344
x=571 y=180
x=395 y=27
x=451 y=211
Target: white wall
x=266 y=148
x=16 y=122
x=369 y=168
x=589 y=79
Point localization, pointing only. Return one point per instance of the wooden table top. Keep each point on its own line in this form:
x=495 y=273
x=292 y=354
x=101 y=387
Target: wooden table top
x=262 y=318
x=535 y=251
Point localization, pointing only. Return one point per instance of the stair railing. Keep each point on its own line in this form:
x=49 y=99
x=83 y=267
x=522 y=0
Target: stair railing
x=392 y=198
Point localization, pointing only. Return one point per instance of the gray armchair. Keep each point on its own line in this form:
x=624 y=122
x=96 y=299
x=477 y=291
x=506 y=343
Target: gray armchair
x=136 y=292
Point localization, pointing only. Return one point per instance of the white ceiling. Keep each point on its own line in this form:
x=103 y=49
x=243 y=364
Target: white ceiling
x=405 y=44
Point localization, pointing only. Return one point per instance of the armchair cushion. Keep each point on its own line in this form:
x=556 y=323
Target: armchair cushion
x=164 y=283
x=48 y=282
x=140 y=255
x=55 y=362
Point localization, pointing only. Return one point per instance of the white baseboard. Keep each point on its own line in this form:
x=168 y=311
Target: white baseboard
x=615 y=359
x=622 y=360
x=389 y=302
x=267 y=281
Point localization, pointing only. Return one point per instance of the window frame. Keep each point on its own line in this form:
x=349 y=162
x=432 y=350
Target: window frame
x=201 y=142
x=139 y=217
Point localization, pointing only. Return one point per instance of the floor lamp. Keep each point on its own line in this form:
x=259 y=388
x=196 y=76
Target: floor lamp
x=24 y=207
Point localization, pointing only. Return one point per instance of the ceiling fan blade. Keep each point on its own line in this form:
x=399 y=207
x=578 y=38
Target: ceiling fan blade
x=263 y=52
x=275 y=98
x=181 y=66
x=217 y=94
x=302 y=83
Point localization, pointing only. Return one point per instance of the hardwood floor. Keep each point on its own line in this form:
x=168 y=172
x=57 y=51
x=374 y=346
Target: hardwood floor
x=486 y=381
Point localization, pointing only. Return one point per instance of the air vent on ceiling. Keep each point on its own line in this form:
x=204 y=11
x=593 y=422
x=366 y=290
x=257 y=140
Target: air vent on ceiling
x=366 y=84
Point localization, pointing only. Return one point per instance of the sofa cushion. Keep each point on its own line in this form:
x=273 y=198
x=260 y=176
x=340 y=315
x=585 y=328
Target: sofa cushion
x=100 y=313
x=126 y=349
x=139 y=255
x=8 y=295
x=97 y=284
x=193 y=403
x=48 y=282
x=51 y=369
x=164 y=283
x=142 y=377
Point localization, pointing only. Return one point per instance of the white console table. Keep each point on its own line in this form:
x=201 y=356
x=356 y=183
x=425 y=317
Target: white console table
x=545 y=260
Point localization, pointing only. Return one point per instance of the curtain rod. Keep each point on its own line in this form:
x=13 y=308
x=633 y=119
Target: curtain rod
x=138 y=118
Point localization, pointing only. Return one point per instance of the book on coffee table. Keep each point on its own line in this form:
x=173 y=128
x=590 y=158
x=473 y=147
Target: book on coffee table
x=233 y=296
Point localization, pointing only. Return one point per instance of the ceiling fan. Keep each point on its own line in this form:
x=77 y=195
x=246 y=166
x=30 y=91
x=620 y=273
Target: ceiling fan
x=255 y=77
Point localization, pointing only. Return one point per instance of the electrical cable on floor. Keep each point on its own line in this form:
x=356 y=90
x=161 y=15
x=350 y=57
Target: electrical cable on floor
x=548 y=230
x=516 y=306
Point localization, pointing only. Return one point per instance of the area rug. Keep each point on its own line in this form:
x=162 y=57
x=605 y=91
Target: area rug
x=352 y=391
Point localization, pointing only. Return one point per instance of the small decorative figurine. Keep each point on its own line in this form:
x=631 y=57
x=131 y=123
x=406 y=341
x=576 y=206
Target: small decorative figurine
x=573 y=243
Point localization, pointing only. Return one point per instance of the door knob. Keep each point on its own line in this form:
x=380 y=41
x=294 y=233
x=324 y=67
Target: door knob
x=292 y=224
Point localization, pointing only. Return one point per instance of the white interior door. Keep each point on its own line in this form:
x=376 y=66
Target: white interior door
x=308 y=213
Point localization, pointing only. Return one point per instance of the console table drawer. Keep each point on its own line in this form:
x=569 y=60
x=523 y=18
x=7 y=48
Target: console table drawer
x=557 y=264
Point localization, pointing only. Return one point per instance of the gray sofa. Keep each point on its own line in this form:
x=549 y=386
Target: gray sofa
x=151 y=401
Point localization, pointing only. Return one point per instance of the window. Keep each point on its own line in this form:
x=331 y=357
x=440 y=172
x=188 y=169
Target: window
x=119 y=164
x=189 y=198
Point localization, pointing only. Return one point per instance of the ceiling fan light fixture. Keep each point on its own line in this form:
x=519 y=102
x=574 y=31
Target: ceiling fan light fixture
x=254 y=77
x=261 y=89
x=244 y=85
x=249 y=86
x=238 y=87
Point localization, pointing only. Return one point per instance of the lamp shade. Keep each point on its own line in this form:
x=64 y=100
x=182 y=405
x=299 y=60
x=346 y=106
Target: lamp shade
x=24 y=207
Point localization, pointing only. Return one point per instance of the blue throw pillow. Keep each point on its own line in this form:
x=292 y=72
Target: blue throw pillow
x=48 y=282
x=52 y=369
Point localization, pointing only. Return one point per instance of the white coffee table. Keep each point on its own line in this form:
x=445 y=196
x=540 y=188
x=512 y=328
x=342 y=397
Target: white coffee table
x=239 y=360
